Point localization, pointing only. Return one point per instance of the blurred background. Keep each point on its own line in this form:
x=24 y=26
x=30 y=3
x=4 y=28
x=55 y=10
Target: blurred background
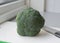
x=10 y=8
x=49 y=8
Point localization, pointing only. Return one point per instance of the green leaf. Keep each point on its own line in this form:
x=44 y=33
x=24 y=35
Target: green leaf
x=3 y=42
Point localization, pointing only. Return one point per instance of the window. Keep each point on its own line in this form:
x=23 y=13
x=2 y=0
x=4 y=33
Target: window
x=10 y=8
x=6 y=1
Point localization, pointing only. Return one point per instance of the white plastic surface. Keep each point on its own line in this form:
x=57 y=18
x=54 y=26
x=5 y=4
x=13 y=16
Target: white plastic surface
x=8 y=32
x=38 y=5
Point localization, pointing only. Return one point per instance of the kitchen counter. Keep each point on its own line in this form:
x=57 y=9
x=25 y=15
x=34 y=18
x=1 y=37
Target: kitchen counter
x=8 y=32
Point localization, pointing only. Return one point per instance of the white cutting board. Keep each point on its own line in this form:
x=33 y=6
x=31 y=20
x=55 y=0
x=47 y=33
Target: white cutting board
x=8 y=33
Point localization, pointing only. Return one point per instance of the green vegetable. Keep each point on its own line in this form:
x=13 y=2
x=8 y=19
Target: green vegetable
x=29 y=22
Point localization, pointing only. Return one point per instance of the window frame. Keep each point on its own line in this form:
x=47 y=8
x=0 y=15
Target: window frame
x=10 y=10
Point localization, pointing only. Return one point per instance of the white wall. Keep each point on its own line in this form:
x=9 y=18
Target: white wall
x=53 y=6
x=38 y=5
